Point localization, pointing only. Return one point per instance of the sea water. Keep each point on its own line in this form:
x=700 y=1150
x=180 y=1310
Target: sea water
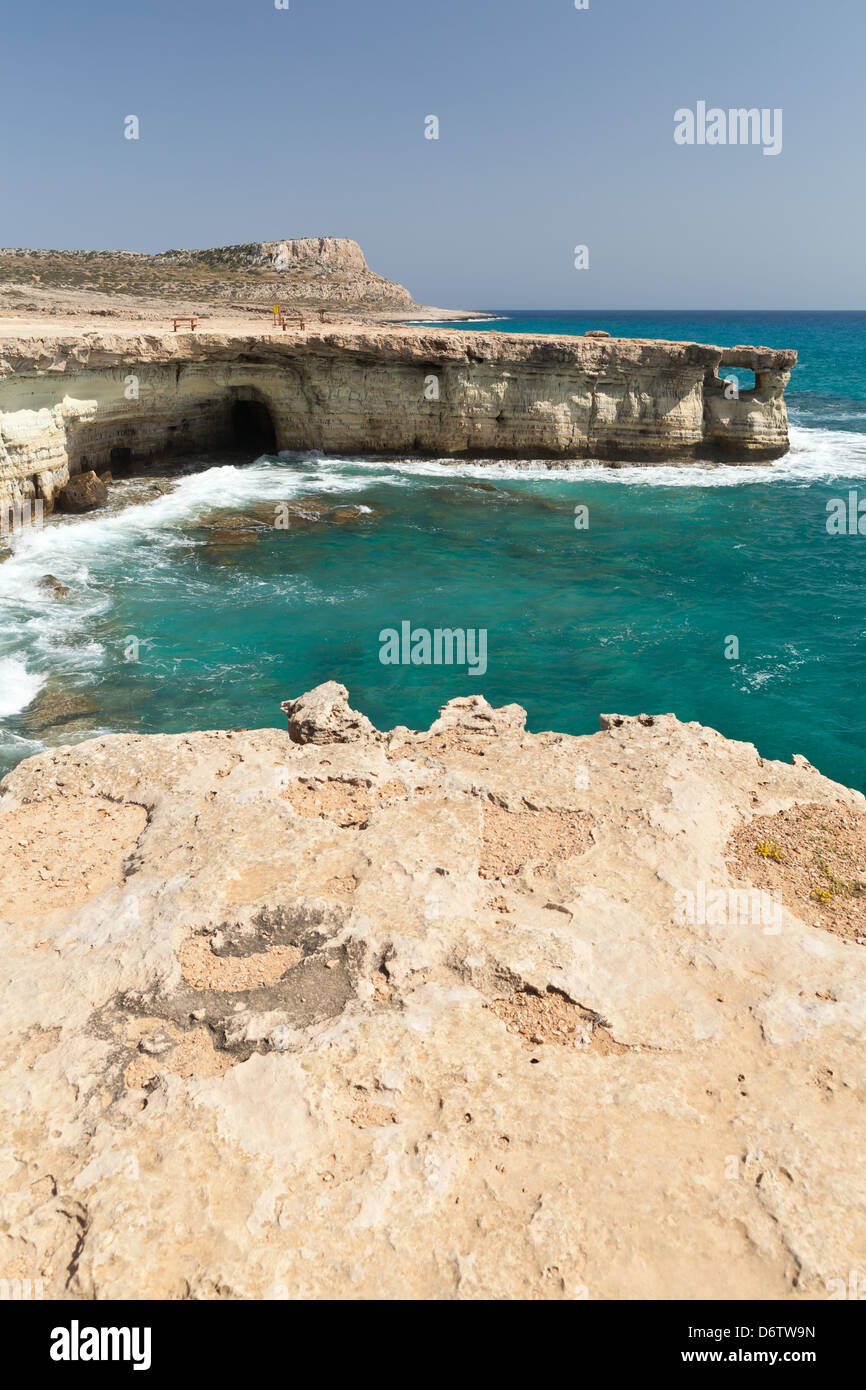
x=715 y=592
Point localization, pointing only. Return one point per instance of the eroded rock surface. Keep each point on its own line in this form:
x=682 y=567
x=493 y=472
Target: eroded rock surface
x=66 y=407
x=86 y=492
x=467 y=1013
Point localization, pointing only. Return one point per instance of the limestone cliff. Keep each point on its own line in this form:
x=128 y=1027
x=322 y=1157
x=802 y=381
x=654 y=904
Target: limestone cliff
x=468 y=1013
x=67 y=402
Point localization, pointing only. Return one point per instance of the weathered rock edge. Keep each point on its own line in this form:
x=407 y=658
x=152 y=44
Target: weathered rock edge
x=342 y=1013
x=67 y=402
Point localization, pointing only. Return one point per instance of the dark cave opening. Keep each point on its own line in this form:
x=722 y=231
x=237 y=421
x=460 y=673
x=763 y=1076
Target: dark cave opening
x=252 y=427
x=120 y=461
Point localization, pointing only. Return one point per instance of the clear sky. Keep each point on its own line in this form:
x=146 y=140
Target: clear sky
x=556 y=129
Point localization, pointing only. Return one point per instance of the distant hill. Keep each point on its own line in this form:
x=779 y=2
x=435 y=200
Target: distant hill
x=306 y=271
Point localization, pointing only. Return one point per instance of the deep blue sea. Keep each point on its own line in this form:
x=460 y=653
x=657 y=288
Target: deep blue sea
x=635 y=613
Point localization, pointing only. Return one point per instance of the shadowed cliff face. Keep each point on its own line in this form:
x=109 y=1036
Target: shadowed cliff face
x=66 y=403
x=407 y=994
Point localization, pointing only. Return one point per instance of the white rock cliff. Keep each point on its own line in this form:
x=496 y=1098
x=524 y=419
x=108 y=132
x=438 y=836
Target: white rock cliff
x=66 y=403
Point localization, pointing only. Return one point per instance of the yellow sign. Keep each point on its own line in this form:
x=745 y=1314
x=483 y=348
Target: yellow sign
x=276 y=308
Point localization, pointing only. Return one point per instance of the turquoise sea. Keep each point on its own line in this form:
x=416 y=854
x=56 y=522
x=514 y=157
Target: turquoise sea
x=633 y=614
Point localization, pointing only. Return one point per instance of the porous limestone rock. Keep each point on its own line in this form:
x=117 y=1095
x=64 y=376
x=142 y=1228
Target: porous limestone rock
x=86 y=492
x=323 y=716
x=361 y=1015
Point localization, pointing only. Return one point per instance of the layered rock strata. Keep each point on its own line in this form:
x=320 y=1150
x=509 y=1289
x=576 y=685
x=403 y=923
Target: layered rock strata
x=71 y=404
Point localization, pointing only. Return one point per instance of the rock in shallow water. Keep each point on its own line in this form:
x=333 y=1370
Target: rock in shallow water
x=441 y=1014
x=53 y=586
x=58 y=710
x=85 y=492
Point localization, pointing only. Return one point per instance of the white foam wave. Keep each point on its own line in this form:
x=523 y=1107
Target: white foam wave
x=20 y=747
x=68 y=547
x=18 y=686
x=38 y=630
x=815 y=455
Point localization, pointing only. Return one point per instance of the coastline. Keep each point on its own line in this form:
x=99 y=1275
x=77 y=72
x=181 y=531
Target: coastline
x=287 y=565
x=357 y=950
x=78 y=402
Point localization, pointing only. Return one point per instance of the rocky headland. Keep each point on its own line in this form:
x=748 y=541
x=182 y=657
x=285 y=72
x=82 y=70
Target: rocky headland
x=466 y=1013
x=97 y=373
x=309 y=272
x=93 y=400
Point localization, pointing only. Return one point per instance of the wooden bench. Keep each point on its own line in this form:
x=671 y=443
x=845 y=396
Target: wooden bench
x=186 y=318
x=280 y=320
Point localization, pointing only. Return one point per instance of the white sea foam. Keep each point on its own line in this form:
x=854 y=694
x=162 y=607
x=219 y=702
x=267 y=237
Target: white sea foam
x=143 y=534
x=38 y=630
x=18 y=686
x=782 y=666
x=39 y=633
x=815 y=456
x=68 y=547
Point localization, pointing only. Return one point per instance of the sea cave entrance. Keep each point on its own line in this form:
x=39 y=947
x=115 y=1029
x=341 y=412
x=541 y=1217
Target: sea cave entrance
x=252 y=427
x=120 y=461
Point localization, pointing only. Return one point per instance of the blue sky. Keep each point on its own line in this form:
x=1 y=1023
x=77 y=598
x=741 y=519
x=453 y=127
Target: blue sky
x=556 y=129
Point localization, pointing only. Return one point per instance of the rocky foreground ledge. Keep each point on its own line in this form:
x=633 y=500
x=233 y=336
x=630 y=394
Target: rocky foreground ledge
x=464 y=1013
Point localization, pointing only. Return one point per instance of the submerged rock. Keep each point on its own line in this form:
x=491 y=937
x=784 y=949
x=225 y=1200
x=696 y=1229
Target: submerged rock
x=228 y=534
x=471 y=1012
x=54 y=586
x=235 y=528
x=234 y=522
x=232 y=535
x=317 y=509
x=57 y=710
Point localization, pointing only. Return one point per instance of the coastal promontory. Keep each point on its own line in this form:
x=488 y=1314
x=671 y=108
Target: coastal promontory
x=87 y=401
x=116 y=359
